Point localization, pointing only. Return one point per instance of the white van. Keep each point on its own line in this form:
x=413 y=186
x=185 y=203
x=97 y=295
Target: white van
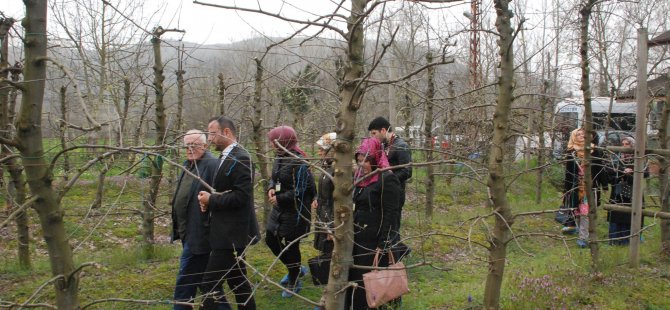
x=569 y=114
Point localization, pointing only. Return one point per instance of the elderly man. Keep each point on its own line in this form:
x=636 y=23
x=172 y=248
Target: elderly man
x=233 y=223
x=188 y=223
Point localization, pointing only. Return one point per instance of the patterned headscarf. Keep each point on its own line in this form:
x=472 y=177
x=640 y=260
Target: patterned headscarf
x=286 y=136
x=372 y=149
x=326 y=141
x=578 y=147
x=572 y=142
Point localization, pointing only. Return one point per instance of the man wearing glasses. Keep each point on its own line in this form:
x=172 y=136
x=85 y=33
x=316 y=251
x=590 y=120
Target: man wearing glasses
x=188 y=223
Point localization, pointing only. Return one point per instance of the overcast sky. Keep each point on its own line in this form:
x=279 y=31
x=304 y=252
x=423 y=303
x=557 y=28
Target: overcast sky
x=205 y=24
x=210 y=25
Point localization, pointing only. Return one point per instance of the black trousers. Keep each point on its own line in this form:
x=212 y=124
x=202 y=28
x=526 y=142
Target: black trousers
x=291 y=254
x=224 y=267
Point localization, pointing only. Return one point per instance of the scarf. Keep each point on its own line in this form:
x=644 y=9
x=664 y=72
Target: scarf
x=287 y=138
x=372 y=149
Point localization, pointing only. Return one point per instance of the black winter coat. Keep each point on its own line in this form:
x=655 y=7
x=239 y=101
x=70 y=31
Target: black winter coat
x=398 y=154
x=622 y=188
x=324 y=212
x=295 y=189
x=233 y=223
x=377 y=213
x=196 y=223
x=571 y=181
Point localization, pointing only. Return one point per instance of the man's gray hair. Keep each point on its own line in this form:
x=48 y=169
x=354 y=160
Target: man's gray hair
x=202 y=138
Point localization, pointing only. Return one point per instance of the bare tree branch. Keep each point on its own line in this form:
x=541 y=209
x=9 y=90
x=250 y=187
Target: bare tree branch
x=89 y=117
x=20 y=209
x=297 y=21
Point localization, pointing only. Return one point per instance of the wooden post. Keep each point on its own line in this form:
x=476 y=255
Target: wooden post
x=640 y=144
x=624 y=209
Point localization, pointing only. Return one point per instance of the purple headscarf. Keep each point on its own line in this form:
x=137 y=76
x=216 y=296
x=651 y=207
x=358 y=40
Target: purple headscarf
x=287 y=137
x=372 y=149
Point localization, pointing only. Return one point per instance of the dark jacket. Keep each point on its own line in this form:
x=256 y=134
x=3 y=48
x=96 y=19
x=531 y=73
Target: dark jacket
x=292 y=215
x=377 y=212
x=196 y=233
x=324 y=212
x=233 y=223
x=622 y=187
x=398 y=154
x=571 y=180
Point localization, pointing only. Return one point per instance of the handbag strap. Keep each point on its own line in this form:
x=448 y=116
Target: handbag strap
x=375 y=263
x=391 y=258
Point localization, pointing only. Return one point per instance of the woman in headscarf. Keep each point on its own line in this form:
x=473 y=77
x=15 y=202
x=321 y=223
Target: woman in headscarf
x=376 y=214
x=323 y=205
x=621 y=176
x=574 y=192
x=291 y=191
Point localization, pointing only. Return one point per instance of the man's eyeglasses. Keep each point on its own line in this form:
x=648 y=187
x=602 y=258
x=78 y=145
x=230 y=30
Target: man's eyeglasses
x=193 y=146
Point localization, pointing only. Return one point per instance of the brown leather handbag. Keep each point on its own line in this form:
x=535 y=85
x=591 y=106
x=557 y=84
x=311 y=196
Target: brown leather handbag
x=382 y=286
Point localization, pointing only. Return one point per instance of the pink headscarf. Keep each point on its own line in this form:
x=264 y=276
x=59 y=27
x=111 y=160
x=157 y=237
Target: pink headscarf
x=372 y=149
x=287 y=137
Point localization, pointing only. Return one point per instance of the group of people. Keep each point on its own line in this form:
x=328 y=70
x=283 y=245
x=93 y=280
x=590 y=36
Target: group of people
x=615 y=170
x=216 y=226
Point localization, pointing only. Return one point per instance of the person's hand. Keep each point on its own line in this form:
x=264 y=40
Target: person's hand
x=272 y=197
x=203 y=198
x=315 y=204
x=628 y=170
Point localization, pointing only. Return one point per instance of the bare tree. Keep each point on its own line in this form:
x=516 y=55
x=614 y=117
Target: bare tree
x=496 y=181
x=17 y=184
x=38 y=175
x=351 y=94
x=585 y=10
x=428 y=135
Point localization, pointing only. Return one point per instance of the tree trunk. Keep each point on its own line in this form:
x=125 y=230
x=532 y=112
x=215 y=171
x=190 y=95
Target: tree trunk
x=428 y=133
x=157 y=163
x=137 y=138
x=39 y=178
x=407 y=113
x=449 y=130
x=351 y=94
x=124 y=117
x=63 y=131
x=126 y=106
x=585 y=15
x=17 y=183
x=496 y=181
x=222 y=94
x=540 y=148
x=392 y=97
x=663 y=176
x=259 y=134
x=100 y=191
x=180 y=97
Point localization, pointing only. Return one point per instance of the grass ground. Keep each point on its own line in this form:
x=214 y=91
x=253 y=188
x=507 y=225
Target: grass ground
x=543 y=272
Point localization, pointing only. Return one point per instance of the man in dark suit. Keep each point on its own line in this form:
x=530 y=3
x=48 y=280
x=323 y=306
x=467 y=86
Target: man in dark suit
x=396 y=149
x=188 y=223
x=233 y=224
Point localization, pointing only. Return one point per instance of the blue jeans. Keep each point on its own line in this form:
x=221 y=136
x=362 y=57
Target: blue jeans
x=191 y=269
